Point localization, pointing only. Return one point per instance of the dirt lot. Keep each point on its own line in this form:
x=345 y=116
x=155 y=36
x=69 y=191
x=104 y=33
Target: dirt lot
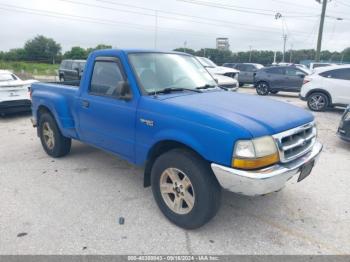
x=72 y=205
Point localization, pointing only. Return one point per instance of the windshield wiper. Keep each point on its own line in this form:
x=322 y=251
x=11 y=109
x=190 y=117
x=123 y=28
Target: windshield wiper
x=174 y=89
x=205 y=86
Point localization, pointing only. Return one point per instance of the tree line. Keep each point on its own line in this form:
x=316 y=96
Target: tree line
x=266 y=57
x=47 y=50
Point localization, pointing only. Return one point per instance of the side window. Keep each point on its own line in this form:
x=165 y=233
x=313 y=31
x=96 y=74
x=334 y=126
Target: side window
x=275 y=70
x=343 y=74
x=291 y=71
x=75 y=65
x=250 y=68
x=107 y=79
x=68 y=65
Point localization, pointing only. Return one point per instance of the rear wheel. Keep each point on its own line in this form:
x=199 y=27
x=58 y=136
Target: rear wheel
x=53 y=142
x=262 y=88
x=185 y=188
x=318 y=101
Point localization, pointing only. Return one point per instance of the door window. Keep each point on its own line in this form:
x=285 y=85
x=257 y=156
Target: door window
x=292 y=71
x=275 y=70
x=343 y=74
x=107 y=79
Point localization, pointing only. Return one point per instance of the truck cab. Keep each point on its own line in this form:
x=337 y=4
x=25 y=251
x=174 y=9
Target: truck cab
x=164 y=111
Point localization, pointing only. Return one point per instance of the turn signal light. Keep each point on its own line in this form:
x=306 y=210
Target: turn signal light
x=255 y=163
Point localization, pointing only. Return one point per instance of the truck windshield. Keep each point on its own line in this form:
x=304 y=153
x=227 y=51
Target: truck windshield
x=159 y=71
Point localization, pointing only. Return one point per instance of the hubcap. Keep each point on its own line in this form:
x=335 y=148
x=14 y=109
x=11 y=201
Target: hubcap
x=48 y=135
x=317 y=102
x=177 y=191
x=262 y=88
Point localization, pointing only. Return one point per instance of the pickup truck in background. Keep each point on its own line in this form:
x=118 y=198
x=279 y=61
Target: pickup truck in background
x=164 y=111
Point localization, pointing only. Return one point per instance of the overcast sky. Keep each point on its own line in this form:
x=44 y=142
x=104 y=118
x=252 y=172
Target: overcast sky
x=87 y=23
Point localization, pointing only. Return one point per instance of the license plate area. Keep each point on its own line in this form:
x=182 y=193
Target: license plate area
x=305 y=170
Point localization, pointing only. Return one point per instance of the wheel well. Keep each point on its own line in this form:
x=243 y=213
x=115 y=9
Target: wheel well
x=42 y=110
x=320 y=91
x=157 y=150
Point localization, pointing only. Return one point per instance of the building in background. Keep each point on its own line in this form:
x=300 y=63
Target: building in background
x=222 y=43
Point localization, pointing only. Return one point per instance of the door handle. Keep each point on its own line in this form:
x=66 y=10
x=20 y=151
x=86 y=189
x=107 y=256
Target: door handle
x=85 y=103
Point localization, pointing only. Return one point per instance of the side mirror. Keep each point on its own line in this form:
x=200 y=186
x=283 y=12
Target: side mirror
x=124 y=91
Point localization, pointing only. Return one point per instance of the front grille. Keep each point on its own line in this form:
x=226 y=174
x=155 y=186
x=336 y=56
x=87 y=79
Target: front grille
x=296 y=142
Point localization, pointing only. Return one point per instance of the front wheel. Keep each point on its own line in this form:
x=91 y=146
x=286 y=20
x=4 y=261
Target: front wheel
x=53 y=142
x=262 y=88
x=317 y=102
x=185 y=188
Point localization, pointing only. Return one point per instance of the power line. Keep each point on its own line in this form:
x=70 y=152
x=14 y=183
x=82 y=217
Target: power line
x=225 y=22
x=236 y=9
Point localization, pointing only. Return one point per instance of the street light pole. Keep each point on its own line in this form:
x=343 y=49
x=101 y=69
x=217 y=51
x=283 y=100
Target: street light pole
x=320 y=30
x=156 y=29
x=284 y=46
x=250 y=53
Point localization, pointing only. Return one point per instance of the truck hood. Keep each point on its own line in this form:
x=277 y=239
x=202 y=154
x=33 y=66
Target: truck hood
x=258 y=115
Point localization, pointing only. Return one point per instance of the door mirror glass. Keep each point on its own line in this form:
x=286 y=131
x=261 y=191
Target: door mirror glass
x=123 y=91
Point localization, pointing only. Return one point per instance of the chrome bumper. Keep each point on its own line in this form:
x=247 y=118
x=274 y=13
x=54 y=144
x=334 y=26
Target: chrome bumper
x=263 y=181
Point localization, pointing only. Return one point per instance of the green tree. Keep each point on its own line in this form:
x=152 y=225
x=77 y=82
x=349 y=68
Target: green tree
x=76 y=52
x=346 y=55
x=98 y=47
x=42 y=49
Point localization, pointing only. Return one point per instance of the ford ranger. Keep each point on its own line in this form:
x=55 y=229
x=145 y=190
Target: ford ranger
x=164 y=111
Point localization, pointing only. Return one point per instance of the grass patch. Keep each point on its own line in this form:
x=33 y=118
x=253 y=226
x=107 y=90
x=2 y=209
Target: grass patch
x=30 y=68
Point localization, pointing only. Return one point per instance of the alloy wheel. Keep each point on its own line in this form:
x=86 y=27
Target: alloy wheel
x=48 y=135
x=177 y=191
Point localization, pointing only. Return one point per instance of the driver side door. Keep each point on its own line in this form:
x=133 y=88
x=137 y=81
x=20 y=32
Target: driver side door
x=105 y=119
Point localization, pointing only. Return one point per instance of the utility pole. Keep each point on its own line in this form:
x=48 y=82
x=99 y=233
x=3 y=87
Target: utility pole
x=320 y=30
x=250 y=53
x=290 y=53
x=156 y=29
x=284 y=46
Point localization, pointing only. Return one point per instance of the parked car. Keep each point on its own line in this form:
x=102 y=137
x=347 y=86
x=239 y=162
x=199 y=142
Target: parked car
x=279 y=78
x=318 y=64
x=228 y=83
x=214 y=69
x=14 y=93
x=247 y=72
x=71 y=70
x=326 y=87
x=344 y=126
x=162 y=111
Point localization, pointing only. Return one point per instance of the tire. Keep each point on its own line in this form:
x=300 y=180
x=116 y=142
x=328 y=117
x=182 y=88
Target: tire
x=318 y=101
x=203 y=190
x=241 y=84
x=53 y=142
x=262 y=88
x=274 y=92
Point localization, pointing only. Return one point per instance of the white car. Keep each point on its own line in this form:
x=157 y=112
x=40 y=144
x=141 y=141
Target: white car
x=14 y=93
x=226 y=82
x=220 y=72
x=326 y=87
x=315 y=65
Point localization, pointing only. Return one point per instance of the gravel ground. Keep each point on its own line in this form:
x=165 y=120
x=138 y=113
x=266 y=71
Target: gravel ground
x=72 y=205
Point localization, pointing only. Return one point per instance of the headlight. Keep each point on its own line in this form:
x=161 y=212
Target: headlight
x=256 y=153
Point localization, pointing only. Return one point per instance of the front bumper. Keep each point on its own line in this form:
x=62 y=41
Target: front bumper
x=263 y=181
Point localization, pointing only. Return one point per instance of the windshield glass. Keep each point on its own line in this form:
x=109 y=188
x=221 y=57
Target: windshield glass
x=7 y=77
x=158 y=71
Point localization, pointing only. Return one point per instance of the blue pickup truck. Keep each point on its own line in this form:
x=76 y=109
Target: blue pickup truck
x=164 y=111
